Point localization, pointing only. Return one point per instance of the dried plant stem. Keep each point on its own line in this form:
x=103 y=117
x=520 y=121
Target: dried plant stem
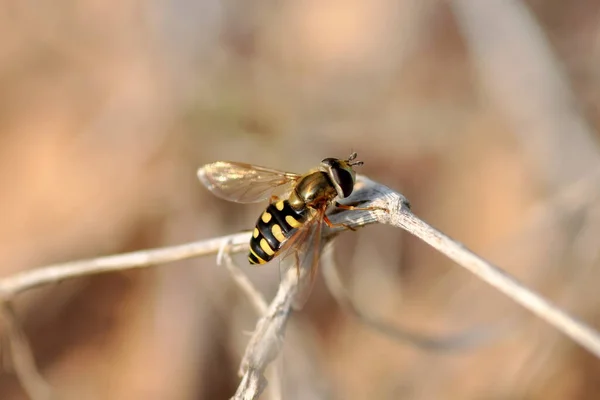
x=256 y=298
x=267 y=338
x=21 y=356
x=567 y=324
x=265 y=342
x=24 y=281
x=464 y=340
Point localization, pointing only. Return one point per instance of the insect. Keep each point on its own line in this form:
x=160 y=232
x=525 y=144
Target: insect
x=292 y=222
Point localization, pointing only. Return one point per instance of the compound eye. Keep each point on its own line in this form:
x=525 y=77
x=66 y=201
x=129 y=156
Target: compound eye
x=328 y=162
x=344 y=180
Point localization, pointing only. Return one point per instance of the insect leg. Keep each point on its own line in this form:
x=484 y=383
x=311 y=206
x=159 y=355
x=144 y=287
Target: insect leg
x=273 y=199
x=345 y=207
x=332 y=225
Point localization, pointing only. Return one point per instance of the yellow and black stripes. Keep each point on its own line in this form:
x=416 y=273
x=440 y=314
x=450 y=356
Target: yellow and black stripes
x=274 y=227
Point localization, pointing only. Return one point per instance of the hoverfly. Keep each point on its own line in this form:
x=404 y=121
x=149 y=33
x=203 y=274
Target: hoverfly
x=292 y=223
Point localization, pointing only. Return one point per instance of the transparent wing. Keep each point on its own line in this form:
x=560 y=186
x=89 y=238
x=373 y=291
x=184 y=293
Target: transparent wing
x=302 y=252
x=244 y=183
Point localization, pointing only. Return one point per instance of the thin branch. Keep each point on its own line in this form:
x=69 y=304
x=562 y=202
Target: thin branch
x=27 y=280
x=23 y=361
x=462 y=341
x=256 y=298
x=570 y=326
x=266 y=340
x=265 y=343
x=401 y=216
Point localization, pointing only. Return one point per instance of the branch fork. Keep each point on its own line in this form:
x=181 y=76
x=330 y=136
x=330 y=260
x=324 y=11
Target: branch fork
x=267 y=338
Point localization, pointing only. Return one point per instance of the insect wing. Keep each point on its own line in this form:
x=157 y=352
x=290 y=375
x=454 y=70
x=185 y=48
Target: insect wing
x=302 y=253
x=244 y=183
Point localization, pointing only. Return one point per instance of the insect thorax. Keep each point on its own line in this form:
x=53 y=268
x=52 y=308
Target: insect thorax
x=311 y=190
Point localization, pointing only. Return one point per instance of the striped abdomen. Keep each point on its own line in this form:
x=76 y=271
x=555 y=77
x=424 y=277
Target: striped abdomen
x=274 y=227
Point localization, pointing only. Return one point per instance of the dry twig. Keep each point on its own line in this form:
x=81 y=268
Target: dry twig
x=21 y=282
x=462 y=341
x=266 y=340
x=21 y=356
x=256 y=298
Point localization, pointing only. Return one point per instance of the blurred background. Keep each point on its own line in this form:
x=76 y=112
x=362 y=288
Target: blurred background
x=481 y=113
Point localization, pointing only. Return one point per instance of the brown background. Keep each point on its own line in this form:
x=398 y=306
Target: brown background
x=108 y=108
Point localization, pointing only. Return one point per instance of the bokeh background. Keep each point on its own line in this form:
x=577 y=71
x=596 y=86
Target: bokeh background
x=480 y=112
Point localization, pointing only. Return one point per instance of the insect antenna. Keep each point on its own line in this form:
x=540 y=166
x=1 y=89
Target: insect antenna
x=351 y=159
